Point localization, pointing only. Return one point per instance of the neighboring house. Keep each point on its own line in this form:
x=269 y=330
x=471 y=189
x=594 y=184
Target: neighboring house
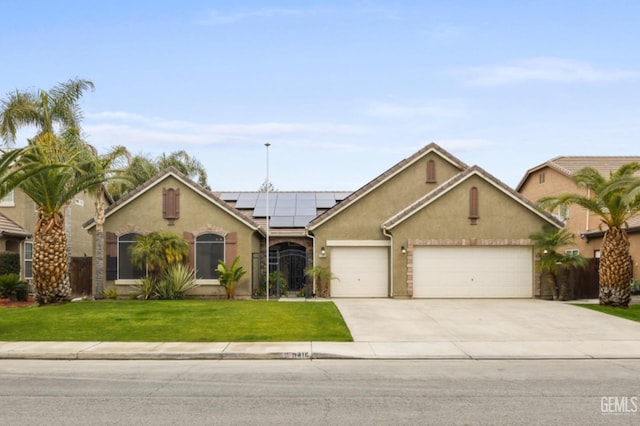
x=430 y=226
x=554 y=177
x=18 y=217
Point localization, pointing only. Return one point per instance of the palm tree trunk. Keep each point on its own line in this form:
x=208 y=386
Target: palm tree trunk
x=50 y=272
x=99 y=243
x=616 y=269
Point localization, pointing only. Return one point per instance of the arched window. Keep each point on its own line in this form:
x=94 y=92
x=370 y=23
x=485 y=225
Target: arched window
x=126 y=270
x=209 y=249
x=474 y=213
x=431 y=171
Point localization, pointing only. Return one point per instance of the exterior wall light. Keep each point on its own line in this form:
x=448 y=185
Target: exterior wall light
x=323 y=253
x=403 y=249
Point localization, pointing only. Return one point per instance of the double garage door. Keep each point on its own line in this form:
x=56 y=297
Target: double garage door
x=473 y=272
x=438 y=272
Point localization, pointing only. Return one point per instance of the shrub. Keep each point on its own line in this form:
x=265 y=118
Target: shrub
x=228 y=276
x=144 y=289
x=110 y=293
x=9 y=263
x=175 y=281
x=275 y=277
x=11 y=286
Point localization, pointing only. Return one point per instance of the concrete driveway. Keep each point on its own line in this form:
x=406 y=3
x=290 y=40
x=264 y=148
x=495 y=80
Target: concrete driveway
x=488 y=328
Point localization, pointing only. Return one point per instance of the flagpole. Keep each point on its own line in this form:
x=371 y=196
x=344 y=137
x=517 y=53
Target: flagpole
x=267 y=227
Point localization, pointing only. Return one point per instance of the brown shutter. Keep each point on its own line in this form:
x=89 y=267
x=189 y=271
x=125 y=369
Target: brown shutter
x=230 y=247
x=171 y=204
x=431 y=171
x=474 y=212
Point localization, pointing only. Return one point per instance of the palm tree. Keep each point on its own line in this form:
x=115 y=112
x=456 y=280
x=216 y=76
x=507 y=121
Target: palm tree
x=51 y=189
x=48 y=173
x=156 y=251
x=186 y=164
x=141 y=168
x=112 y=166
x=608 y=199
x=551 y=263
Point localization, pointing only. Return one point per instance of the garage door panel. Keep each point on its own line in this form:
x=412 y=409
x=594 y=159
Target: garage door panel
x=361 y=271
x=473 y=272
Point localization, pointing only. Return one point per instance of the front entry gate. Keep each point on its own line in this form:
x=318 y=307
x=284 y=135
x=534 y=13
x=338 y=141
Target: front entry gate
x=285 y=267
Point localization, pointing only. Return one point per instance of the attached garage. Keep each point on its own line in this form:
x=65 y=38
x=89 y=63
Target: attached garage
x=472 y=272
x=361 y=271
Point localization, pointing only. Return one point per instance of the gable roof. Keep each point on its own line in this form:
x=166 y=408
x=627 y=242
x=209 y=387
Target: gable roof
x=568 y=165
x=457 y=180
x=384 y=177
x=175 y=173
x=11 y=229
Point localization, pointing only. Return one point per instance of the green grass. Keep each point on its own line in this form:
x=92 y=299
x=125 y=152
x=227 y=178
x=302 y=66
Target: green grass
x=631 y=313
x=170 y=321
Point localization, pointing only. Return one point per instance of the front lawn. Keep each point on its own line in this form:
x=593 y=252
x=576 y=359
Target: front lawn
x=631 y=313
x=179 y=320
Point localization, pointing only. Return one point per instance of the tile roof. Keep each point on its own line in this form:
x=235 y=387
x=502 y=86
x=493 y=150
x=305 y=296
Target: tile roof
x=567 y=165
x=457 y=179
x=172 y=171
x=10 y=228
x=384 y=177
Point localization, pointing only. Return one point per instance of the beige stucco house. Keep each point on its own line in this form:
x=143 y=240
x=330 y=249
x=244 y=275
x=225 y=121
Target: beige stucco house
x=430 y=226
x=553 y=177
x=174 y=203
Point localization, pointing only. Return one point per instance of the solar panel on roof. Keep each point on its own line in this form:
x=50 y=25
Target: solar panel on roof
x=246 y=201
x=229 y=196
x=301 y=221
x=281 y=222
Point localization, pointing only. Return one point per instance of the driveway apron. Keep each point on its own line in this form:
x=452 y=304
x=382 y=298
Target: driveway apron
x=480 y=320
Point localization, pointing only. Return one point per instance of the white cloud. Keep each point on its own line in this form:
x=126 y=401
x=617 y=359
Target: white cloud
x=147 y=133
x=543 y=69
x=443 y=108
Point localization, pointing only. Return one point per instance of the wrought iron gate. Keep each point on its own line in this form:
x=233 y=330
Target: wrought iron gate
x=288 y=267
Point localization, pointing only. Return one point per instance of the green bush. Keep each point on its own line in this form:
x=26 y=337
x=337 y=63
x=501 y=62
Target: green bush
x=110 y=293
x=9 y=263
x=144 y=289
x=11 y=286
x=175 y=281
x=275 y=278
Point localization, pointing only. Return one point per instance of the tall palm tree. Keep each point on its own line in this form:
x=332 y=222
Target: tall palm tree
x=188 y=165
x=48 y=173
x=608 y=199
x=51 y=189
x=112 y=166
x=551 y=263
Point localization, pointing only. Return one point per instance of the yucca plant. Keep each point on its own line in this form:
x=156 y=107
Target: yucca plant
x=144 y=288
x=175 y=282
x=230 y=275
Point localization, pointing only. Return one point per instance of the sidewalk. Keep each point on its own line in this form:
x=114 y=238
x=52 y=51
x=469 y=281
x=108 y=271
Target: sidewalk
x=605 y=349
x=402 y=329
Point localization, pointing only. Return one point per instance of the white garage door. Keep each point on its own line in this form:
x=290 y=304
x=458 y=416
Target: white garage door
x=361 y=271
x=473 y=272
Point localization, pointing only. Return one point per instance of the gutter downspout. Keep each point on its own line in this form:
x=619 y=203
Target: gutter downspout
x=313 y=255
x=391 y=260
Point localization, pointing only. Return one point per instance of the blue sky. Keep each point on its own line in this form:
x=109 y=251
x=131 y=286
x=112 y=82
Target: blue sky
x=342 y=90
